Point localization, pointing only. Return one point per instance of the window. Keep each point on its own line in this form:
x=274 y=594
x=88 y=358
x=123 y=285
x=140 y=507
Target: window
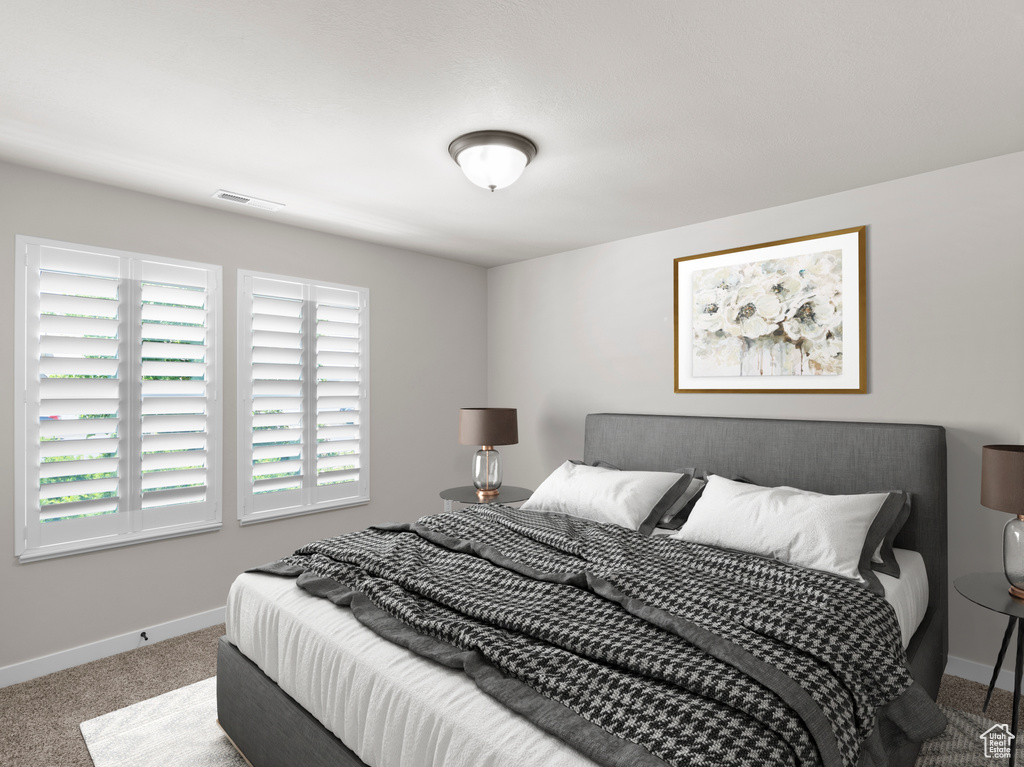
x=118 y=382
x=302 y=415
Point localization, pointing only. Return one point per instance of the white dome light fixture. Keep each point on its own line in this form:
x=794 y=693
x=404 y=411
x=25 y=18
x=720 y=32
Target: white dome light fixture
x=492 y=159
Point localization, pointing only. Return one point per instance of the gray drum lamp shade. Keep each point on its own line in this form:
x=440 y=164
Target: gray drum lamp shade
x=1002 y=478
x=488 y=426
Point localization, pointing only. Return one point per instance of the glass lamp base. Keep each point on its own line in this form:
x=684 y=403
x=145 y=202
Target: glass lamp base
x=486 y=472
x=1013 y=556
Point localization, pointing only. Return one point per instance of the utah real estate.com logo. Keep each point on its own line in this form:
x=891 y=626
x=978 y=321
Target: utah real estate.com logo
x=997 y=740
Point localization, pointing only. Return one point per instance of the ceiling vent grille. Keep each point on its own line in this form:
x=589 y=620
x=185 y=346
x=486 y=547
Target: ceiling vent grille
x=244 y=199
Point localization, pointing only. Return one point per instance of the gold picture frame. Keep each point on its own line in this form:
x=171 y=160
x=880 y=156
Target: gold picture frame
x=783 y=317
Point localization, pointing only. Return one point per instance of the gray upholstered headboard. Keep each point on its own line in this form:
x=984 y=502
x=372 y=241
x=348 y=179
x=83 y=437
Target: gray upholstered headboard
x=823 y=456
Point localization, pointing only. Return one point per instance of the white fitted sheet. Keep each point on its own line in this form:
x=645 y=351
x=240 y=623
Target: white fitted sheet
x=403 y=710
x=907 y=594
x=406 y=711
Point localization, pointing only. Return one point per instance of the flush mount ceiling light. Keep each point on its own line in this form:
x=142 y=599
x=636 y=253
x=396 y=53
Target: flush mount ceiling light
x=492 y=159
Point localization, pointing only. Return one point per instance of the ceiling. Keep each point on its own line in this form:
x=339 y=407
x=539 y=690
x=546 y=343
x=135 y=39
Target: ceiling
x=647 y=114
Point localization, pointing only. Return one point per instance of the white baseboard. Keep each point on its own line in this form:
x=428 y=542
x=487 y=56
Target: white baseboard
x=76 y=656
x=980 y=672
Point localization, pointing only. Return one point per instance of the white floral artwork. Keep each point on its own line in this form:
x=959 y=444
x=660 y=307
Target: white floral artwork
x=779 y=317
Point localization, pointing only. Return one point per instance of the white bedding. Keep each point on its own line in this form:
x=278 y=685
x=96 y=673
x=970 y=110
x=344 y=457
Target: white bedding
x=907 y=594
x=406 y=711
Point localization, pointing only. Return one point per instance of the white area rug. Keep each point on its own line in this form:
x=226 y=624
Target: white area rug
x=176 y=729
x=179 y=729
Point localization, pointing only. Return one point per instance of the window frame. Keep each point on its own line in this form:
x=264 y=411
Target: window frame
x=247 y=513
x=132 y=527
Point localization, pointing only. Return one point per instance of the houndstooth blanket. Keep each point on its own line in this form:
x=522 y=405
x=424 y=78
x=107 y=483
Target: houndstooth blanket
x=636 y=650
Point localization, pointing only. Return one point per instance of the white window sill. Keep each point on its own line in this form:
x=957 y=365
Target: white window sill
x=298 y=511
x=113 y=542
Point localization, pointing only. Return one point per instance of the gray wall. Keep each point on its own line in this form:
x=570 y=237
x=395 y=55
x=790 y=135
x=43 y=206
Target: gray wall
x=592 y=330
x=425 y=315
x=578 y=332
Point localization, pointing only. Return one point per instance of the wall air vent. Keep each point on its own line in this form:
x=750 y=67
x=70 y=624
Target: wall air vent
x=244 y=199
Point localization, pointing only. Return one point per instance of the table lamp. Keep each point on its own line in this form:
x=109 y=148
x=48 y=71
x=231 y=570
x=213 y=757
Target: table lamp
x=487 y=426
x=1002 y=489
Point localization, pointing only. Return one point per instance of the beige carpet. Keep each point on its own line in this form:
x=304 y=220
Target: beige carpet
x=39 y=719
x=969 y=696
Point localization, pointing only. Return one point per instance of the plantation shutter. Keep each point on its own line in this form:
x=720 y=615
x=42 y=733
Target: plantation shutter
x=338 y=393
x=175 y=395
x=302 y=409
x=119 y=399
x=77 y=487
x=278 y=402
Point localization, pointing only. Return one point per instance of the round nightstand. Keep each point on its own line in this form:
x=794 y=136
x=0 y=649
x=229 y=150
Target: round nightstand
x=989 y=590
x=467 y=494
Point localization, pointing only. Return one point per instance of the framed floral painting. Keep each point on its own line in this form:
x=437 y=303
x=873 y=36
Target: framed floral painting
x=785 y=317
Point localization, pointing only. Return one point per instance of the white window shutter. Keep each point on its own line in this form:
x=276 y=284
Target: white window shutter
x=278 y=412
x=302 y=370
x=119 y=419
x=75 y=376
x=340 y=392
x=175 y=364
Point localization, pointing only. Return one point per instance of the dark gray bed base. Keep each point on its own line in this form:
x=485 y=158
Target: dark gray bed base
x=265 y=724
x=272 y=730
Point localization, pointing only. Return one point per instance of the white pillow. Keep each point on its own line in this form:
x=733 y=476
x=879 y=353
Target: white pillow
x=625 y=498
x=822 y=532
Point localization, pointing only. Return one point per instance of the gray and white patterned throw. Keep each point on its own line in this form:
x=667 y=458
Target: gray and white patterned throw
x=636 y=650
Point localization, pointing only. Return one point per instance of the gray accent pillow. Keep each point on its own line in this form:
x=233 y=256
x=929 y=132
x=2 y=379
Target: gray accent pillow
x=674 y=500
x=599 y=464
x=884 y=520
x=677 y=516
x=883 y=560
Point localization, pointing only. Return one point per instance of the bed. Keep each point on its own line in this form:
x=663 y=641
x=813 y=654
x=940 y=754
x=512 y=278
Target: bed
x=273 y=726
